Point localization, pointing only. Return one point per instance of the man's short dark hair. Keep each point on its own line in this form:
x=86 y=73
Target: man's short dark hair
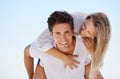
x=58 y=17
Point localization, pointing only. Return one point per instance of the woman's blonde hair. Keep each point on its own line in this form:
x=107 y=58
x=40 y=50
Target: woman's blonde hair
x=101 y=41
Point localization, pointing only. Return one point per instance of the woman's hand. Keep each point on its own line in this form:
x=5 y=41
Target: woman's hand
x=70 y=60
x=89 y=43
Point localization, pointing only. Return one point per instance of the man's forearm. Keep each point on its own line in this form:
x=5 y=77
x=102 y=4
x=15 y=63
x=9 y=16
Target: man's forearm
x=29 y=67
x=29 y=63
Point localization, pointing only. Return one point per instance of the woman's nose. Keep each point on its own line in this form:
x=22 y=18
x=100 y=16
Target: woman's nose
x=84 y=31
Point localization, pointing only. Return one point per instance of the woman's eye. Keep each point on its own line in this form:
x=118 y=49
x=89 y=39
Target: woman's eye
x=84 y=26
x=89 y=33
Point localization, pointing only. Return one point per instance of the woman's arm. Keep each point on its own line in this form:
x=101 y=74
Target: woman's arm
x=69 y=60
x=46 y=44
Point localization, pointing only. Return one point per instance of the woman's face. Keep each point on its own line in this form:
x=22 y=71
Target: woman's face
x=87 y=29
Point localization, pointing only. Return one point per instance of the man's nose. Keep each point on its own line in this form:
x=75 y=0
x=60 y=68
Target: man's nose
x=63 y=38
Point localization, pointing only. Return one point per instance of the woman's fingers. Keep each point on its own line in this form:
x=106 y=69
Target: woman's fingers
x=73 y=62
x=88 y=42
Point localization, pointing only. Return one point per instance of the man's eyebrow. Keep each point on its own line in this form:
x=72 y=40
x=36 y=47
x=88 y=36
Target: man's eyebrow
x=67 y=31
x=57 y=32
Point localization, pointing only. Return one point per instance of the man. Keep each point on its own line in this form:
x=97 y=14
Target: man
x=61 y=30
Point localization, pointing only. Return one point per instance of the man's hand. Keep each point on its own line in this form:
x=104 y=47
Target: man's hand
x=71 y=61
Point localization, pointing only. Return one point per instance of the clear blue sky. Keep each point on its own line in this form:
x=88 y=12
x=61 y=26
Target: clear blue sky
x=22 y=21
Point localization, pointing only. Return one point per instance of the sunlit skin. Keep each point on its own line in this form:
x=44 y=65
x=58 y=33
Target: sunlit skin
x=87 y=29
x=63 y=36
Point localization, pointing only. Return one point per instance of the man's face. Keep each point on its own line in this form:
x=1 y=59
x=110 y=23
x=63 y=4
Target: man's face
x=62 y=34
x=87 y=29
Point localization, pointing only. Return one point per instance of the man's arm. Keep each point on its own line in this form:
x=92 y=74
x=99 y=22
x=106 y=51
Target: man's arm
x=99 y=76
x=87 y=71
x=29 y=62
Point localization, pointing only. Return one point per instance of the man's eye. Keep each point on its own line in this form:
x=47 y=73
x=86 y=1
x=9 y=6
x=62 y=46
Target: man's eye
x=67 y=32
x=57 y=33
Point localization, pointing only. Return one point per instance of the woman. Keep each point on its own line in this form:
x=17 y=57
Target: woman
x=100 y=40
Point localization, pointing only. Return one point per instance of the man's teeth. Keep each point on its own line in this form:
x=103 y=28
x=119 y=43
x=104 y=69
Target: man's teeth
x=63 y=43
